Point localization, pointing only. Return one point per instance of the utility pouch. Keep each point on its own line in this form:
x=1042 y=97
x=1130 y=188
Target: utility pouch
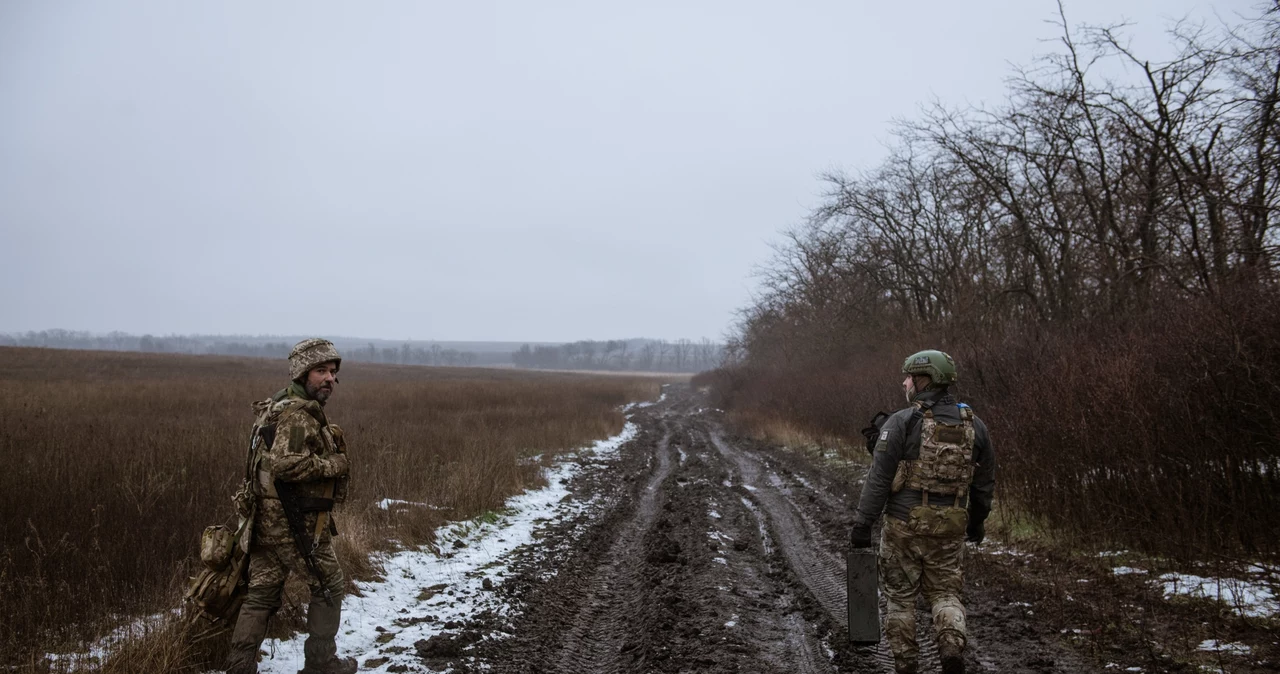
x=938 y=521
x=215 y=546
x=214 y=596
x=951 y=435
x=902 y=475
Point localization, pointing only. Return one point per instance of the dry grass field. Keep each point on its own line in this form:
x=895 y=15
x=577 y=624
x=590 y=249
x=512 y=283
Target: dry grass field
x=112 y=463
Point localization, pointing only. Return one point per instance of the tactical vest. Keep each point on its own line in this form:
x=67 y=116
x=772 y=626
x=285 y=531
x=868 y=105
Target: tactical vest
x=269 y=414
x=945 y=465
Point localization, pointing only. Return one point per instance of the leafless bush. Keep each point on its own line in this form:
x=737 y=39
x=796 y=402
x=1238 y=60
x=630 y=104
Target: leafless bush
x=1100 y=253
x=1156 y=432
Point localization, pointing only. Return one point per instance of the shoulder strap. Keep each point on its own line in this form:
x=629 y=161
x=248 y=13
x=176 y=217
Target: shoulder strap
x=322 y=518
x=916 y=416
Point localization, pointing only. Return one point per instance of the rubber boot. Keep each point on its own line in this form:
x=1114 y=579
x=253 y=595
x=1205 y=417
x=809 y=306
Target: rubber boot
x=320 y=649
x=246 y=639
x=951 y=651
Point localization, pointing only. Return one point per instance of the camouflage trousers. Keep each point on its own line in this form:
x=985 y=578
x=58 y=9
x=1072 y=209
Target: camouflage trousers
x=911 y=562
x=271 y=564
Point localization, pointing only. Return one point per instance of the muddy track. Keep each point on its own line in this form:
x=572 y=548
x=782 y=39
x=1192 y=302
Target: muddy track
x=597 y=638
x=808 y=554
x=699 y=551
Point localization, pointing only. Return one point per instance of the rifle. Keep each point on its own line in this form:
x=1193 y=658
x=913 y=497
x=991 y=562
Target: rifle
x=296 y=507
x=872 y=432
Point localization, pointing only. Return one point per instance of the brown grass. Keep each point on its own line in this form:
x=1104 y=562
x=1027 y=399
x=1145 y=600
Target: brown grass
x=114 y=462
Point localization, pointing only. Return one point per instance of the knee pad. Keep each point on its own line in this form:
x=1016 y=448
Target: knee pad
x=949 y=613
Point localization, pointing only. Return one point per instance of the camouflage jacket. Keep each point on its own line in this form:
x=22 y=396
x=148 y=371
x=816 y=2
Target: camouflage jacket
x=900 y=441
x=296 y=444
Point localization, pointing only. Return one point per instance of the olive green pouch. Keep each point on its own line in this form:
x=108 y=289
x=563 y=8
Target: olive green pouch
x=938 y=520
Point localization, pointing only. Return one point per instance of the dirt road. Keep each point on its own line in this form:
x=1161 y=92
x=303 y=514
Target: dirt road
x=704 y=552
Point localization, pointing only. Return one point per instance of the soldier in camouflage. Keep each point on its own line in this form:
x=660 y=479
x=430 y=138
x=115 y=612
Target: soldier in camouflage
x=933 y=475
x=295 y=450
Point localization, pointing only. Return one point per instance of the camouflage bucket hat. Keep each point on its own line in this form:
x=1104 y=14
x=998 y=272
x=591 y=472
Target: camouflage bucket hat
x=309 y=353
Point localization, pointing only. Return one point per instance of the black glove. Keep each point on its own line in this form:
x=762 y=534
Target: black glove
x=977 y=531
x=860 y=536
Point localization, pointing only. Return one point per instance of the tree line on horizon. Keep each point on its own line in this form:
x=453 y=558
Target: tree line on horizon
x=682 y=355
x=648 y=355
x=404 y=354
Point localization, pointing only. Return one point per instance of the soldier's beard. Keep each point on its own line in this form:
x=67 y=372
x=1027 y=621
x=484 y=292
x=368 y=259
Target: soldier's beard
x=318 y=394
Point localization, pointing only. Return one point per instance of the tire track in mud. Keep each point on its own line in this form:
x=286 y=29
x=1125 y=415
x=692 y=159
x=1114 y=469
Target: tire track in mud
x=995 y=642
x=820 y=571
x=807 y=551
x=600 y=631
x=696 y=551
x=781 y=634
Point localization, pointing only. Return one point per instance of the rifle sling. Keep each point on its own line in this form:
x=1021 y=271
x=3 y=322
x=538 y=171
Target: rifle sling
x=322 y=519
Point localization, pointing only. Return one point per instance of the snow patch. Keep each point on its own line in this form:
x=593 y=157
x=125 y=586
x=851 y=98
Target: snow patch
x=388 y=503
x=1245 y=598
x=1007 y=551
x=641 y=405
x=422 y=591
x=101 y=649
x=1215 y=646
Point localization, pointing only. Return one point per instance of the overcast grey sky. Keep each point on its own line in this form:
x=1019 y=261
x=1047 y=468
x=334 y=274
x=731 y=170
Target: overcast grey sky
x=544 y=170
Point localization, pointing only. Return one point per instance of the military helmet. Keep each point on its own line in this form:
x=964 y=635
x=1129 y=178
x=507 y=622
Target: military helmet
x=940 y=367
x=309 y=353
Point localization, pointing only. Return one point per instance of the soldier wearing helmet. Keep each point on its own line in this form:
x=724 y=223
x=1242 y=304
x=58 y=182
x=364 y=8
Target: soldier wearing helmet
x=932 y=475
x=297 y=470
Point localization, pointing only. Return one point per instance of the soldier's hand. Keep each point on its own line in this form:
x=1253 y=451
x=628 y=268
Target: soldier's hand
x=339 y=465
x=860 y=536
x=977 y=531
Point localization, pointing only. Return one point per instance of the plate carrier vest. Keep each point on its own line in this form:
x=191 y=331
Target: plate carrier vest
x=945 y=465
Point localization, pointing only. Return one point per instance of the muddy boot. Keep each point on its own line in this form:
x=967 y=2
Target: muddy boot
x=251 y=628
x=320 y=649
x=951 y=650
x=905 y=667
